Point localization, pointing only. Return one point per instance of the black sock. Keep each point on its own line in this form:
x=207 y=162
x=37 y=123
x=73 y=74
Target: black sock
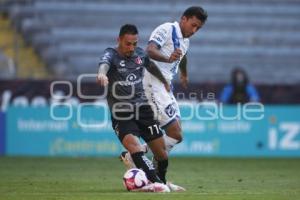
x=162 y=169
x=142 y=162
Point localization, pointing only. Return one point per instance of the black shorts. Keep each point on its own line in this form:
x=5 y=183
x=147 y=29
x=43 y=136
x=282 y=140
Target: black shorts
x=140 y=123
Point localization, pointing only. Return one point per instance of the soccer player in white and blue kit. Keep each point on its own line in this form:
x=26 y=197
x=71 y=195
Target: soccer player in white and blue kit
x=167 y=48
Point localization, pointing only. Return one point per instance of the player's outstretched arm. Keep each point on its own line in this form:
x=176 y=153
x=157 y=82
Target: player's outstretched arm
x=101 y=76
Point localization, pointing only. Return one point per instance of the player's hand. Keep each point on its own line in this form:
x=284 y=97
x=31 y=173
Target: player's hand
x=102 y=79
x=184 y=80
x=168 y=87
x=175 y=55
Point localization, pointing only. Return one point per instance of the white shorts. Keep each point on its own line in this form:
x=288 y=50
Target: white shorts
x=163 y=103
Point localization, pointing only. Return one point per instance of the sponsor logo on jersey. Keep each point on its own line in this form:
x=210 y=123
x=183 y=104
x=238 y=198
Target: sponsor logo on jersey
x=131 y=79
x=158 y=39
x=162 y=33
x=122 y=63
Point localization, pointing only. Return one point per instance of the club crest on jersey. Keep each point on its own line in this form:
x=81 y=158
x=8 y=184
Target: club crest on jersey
x=138 y=60
x=170 y=110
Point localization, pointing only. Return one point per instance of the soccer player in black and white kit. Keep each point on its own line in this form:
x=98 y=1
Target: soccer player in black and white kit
x=167 y=48
x=122 y=69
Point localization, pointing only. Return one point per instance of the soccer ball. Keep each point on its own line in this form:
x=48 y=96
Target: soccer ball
x=134 y=178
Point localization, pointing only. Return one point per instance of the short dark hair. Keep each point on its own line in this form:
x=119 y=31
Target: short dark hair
x=128 y=29
x=196 y=11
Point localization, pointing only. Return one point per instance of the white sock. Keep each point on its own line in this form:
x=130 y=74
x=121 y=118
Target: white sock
x=170 y=142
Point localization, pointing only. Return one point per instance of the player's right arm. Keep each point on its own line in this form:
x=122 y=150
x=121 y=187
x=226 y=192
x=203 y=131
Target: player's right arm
x=155 y=54
x=157 y=39
x=104 y=66
x=101 y=76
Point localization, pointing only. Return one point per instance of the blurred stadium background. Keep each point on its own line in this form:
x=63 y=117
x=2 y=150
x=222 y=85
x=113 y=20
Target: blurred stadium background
x=62 y=39
x=42 y=41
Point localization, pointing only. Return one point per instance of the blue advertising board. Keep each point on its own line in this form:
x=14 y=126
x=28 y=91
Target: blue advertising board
x=59 y=132
x=273 y=131
x=229 y=131
x=2 y=133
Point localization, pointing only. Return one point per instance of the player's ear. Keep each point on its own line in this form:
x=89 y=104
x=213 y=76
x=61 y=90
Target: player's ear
x=183 y=18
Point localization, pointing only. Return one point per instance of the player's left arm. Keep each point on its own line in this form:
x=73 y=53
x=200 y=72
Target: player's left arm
x=184 y=79
x=153 y=69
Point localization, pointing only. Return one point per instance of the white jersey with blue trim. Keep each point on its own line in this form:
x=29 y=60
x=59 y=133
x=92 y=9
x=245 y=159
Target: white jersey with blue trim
x=168 y=37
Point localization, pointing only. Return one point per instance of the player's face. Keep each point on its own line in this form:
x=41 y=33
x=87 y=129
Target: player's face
x=127 y=44
x=189 y=26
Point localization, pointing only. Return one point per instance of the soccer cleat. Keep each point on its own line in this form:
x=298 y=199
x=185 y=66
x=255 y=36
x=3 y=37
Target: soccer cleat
x=153 y=187
x=127 y=160
x=175 y=188
x=159 y=187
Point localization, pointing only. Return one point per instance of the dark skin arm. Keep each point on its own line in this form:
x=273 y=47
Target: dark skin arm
x=153 y=69
x=183 y=72
x=155 y=54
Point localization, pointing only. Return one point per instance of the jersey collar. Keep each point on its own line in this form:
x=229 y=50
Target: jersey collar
x=178 y=30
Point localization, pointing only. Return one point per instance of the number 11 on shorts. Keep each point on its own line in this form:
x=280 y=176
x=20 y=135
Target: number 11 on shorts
x=155 y=128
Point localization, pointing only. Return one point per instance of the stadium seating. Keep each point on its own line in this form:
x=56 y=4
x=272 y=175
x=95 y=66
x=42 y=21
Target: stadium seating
x=260 y=35
x=7 y=67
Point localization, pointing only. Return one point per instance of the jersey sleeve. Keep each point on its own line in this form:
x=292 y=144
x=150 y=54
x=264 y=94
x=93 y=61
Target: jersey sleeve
x=160 y=35
x=106 y=57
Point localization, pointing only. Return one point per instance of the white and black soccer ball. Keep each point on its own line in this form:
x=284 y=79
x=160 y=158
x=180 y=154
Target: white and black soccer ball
x=134 y=178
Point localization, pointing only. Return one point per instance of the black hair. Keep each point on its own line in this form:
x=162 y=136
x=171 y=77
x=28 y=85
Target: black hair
x=239 y=81
x=243 y=80
x=128 y=29
x=196 y=11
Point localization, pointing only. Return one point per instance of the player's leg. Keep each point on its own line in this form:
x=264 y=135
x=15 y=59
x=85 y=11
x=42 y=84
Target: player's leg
x=166 y=109
x=173 y=134
x=157 y=147
x=165 y=106
x=133 y=146
x=152 y=135
x=128 y=132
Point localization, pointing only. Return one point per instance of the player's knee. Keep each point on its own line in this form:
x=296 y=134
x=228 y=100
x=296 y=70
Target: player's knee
x=179 y=134
x=179 y=139
x=132 y=144
x=176 y=133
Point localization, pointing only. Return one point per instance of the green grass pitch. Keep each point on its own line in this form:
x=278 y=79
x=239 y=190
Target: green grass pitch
x=101 y=178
